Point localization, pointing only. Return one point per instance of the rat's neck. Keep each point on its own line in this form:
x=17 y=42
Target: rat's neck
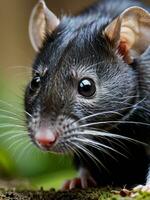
x=142 y=104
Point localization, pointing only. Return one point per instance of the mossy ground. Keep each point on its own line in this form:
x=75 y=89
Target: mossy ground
x=76 y=194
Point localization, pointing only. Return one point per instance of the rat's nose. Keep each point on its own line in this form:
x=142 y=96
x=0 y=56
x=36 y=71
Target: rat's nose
x=46 y=138
x=45 y=142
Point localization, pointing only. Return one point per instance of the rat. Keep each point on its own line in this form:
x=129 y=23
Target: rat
x=90 y=91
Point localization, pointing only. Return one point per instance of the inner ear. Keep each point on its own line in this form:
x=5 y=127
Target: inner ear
x=130 y=33
x=42 y=22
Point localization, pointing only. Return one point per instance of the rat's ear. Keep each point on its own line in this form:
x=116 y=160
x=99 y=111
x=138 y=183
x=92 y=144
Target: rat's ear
x=42 y=22
x=130 y=33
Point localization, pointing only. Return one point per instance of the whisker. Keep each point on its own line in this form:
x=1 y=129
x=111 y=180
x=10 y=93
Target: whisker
x=11 y=126
x=12 y=106
x=76 y=151
x=11 y=113
x=18 y=67
x=126 y=98
x=93 y=65
x=114 y=122
x=135 y=105
x=9 y=117
x=15 y=143
x=23 y=135
x=144 y=109
x=28 y=114
x=116 y=112
x=10 y=133
x=104 y=134
x=90 y=154
x=19 y=146
x=118 y=142
x=93 y=143
x=99 y=147
x=116 y=136
x=73 y=149
x=27 y=147
x=99 y=114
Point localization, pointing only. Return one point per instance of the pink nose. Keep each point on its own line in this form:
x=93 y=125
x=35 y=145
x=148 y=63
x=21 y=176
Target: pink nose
x=45 y=142
x=45 y=137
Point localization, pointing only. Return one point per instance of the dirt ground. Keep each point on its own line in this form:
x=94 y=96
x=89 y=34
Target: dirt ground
x=92 y=194
x=8 y=191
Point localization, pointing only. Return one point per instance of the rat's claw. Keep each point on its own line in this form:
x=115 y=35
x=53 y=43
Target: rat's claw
x=65 y=185
x=71 y=184
x=82 y=182
x=142 y=188
x=76 y=182
x=88 y=182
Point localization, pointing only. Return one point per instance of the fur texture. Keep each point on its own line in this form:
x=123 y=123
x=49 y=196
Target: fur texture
x=77 y=49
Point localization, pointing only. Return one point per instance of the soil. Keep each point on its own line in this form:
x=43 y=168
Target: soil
x=8 y=191
x=90 y=194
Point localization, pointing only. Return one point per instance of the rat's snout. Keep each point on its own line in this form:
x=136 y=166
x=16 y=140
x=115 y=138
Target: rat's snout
x=45 y=142
x=46 y=138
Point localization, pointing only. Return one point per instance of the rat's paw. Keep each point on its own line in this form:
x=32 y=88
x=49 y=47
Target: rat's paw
x=142 y=188
x=82 y=182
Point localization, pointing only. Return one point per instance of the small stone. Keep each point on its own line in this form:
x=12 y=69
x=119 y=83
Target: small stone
x=124 y=192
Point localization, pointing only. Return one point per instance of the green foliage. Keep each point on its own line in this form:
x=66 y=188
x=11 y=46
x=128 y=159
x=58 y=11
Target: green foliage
x=7 y=168
x=108 y=195
x=18 y=157
x=53 y=180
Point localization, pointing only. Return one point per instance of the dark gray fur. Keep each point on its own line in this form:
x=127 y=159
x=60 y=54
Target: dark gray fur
x=76 y=49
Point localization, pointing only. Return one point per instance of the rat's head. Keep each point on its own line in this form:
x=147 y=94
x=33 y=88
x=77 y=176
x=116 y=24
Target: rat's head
x=83 y=76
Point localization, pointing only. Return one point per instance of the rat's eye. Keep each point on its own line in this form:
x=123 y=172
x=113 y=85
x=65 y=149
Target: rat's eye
x=86 y=87
x=35 y=83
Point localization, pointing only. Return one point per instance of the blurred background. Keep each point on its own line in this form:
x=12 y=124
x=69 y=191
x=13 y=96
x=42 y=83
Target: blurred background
x=18 y=159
